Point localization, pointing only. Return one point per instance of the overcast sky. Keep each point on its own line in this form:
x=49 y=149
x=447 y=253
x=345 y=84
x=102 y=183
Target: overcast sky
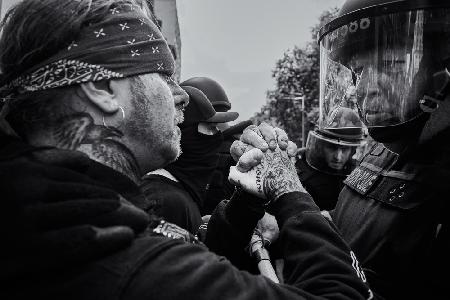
x=237 y=42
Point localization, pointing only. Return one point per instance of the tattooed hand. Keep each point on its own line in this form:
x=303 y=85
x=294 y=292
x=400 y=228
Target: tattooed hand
x=262 y=137
x=274 y=176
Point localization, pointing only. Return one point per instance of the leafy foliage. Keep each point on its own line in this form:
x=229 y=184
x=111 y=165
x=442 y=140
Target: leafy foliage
x=296 y=75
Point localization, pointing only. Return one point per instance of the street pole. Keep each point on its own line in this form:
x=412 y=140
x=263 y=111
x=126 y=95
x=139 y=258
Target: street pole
x=303 y=122
x=296 y=98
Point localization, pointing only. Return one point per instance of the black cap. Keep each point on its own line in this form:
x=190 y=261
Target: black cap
x=200 y=109
x=213 y=91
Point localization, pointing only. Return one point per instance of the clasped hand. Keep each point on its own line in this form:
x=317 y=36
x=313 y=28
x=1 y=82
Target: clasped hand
x=264 y=162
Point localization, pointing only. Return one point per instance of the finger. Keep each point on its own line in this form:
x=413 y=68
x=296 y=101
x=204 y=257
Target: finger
x=248 y=181
x=234 y=177
x=205 y=218
x=282 y=138
x=250 y=137
x=269 y=228
x=292 y=149
x=269 y=135
x=252 y=127
x=249 y=160
x=238 y=148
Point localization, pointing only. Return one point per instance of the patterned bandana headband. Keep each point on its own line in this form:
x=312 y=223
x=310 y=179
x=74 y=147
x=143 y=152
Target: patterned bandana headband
x=126 y=43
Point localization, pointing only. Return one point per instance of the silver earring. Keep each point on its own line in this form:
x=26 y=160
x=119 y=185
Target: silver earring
x=123 y=116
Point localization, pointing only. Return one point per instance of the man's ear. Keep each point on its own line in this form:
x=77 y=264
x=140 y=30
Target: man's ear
x=104 y=95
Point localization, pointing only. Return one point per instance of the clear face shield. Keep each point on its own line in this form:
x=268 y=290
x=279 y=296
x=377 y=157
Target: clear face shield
x=380 y=67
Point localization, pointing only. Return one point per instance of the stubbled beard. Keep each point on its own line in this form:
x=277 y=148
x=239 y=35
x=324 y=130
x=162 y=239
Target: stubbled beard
x=177 y=145
x=179 y=118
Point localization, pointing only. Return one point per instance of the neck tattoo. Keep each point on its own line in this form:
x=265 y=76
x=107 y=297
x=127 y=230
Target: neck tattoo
x=100 y=143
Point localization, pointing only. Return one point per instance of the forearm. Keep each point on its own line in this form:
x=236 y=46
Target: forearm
x=231 y=227
x=203 y=275
x=316 y=258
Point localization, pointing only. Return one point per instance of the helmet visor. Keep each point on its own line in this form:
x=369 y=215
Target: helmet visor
x=329 y=155
x=382 y=66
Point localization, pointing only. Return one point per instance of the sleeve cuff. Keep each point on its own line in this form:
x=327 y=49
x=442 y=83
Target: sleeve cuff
x=291 y=205
x=244 y=209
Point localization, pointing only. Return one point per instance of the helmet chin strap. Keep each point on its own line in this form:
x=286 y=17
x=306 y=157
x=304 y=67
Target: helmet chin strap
x=441 y=88
x=439 y=119
x=408 y=130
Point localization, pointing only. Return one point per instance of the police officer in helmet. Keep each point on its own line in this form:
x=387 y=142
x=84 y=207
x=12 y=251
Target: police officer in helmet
x=396 y=55
x=327 y=159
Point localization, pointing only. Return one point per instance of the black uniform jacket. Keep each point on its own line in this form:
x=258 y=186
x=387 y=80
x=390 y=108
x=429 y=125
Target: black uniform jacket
x=69 y=233
x=394 y=214
x=323 y=187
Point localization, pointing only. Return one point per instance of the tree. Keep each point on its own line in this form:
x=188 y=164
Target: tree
x=296 y=74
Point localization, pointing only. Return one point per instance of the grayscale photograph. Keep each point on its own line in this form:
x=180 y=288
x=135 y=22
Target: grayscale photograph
x=235 y=150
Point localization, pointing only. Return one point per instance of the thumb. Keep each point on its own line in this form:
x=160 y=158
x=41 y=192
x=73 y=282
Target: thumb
x=292 y=149
x=235 y=176
x=249 y=160
x=249 y=181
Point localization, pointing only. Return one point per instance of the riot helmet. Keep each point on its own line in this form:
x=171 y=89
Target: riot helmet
x=387 y=59
x=330 y=150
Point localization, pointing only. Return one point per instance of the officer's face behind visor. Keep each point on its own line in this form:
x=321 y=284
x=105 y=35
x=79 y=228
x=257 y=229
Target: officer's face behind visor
x=382 y=65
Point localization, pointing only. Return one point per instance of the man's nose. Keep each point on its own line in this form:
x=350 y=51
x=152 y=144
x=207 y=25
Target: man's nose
x=181 y=98
x=339 y=154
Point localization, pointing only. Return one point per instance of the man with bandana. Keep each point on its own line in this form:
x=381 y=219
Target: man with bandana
x=87 y=91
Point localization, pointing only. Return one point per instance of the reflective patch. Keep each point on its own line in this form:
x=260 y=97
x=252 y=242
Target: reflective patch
x=360 y=272
x=358 y=269
x=361 y=179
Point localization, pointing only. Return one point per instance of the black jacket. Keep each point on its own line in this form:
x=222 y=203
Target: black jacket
x=393 y=213
x=323 y=187
x=57 y=205
x=170 y=200
x=218 y=187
